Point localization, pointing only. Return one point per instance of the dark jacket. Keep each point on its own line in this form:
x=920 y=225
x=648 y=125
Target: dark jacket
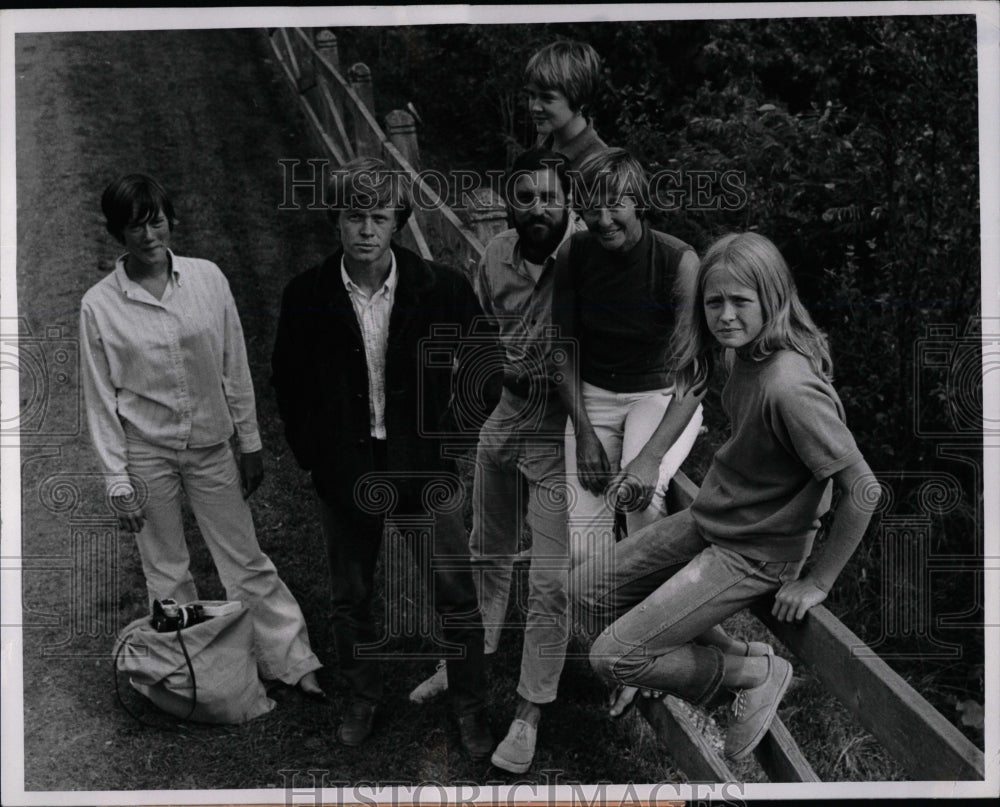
x=320 y=375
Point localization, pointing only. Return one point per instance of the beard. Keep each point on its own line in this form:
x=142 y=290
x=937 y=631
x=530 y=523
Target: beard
x=538 y=242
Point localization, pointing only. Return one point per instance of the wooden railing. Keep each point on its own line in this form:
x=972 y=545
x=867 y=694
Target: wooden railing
x=340 y=112
x=919 y=737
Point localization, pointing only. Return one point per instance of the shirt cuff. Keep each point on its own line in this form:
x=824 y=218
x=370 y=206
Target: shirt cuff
x=119 y=485
x=250 y=442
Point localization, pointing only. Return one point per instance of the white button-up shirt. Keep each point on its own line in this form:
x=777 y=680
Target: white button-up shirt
x=373 y=316
x=172 y=372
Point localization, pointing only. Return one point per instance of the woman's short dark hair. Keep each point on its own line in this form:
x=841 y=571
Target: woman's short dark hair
x=366 y=183
x=134 y=199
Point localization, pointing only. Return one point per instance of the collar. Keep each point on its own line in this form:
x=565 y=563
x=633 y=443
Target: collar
x=129 y=287
x=576 y=146
x=388 y=288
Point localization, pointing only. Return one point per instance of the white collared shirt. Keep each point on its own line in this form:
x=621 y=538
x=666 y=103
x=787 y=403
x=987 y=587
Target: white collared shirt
x=172 y=371
x=373 y=316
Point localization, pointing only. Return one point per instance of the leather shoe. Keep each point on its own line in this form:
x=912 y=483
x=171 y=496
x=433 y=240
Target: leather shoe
x=357 y=723
x=475 y=735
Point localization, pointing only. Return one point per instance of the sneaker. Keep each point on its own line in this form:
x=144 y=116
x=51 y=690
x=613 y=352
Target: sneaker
x=757 y=648
x=432 y=687
x=517 y=749
x=475 y=735
x=754 y=709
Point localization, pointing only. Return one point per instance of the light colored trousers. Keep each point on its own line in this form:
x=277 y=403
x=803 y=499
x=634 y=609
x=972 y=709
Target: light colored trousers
x=510 y=454
x=624 y=422
x=211 y=480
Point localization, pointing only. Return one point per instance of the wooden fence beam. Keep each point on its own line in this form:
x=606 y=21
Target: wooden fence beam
x=912 y=730
x=683 y=740
x=401 y=127
x=333 y=112
x=487 y=213
x=367 y=141
x=780 y=757
x=328 y=107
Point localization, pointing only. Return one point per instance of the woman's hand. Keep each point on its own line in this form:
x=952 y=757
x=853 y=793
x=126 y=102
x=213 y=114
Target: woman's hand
x=251 y=472
x=633 y=487
x=131 y=518
x=795 y=598
x=592 y=466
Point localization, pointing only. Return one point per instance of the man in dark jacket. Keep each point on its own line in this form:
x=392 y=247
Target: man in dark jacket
x=364 y=371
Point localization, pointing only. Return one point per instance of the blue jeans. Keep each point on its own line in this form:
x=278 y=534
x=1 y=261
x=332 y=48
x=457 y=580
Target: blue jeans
x=672 y=586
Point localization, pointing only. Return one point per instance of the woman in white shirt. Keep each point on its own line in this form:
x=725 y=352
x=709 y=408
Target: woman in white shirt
x=166 y=383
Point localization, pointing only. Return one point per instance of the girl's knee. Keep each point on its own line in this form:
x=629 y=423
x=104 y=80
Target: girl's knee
x=605 y=654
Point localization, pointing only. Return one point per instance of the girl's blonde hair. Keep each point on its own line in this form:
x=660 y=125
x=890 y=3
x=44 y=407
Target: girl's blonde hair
x=754 y=261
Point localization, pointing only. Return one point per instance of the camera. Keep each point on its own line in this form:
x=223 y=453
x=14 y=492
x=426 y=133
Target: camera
x=948 y=380
x=49 y=370
x=169 y=616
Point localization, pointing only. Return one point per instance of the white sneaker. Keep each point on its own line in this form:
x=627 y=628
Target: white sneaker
x=517 y=749
x=433 y=686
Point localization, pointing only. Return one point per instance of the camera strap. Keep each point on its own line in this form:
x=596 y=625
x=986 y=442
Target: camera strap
x=194 y=684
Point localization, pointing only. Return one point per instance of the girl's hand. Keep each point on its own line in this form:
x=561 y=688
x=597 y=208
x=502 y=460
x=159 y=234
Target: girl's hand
x=592 y=466
x=795 y=598
x=633 y=487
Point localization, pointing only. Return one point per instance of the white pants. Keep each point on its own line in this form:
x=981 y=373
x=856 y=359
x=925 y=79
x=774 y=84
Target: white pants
x=624 y=422
x=211 y=480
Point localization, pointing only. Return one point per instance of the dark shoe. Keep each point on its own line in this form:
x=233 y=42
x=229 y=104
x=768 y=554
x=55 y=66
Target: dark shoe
x=357 y=723
x=474 y=732
x=309 y=687
x=315 y=695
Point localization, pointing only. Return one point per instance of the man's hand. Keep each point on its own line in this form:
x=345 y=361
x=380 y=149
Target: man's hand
x=633 y=486
x=592 y=466
x=251 y=472
x=131 y=518
x=795 y=598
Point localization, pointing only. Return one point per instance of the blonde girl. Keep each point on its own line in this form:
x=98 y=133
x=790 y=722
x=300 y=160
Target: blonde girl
x=751 y=527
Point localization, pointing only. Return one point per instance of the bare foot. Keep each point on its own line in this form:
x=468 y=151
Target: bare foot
x=622 y=700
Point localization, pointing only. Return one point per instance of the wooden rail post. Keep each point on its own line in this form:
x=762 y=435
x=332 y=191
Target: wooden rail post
x=365 y=141
x=487 y=213
x=401 y=127
x=325 y=41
